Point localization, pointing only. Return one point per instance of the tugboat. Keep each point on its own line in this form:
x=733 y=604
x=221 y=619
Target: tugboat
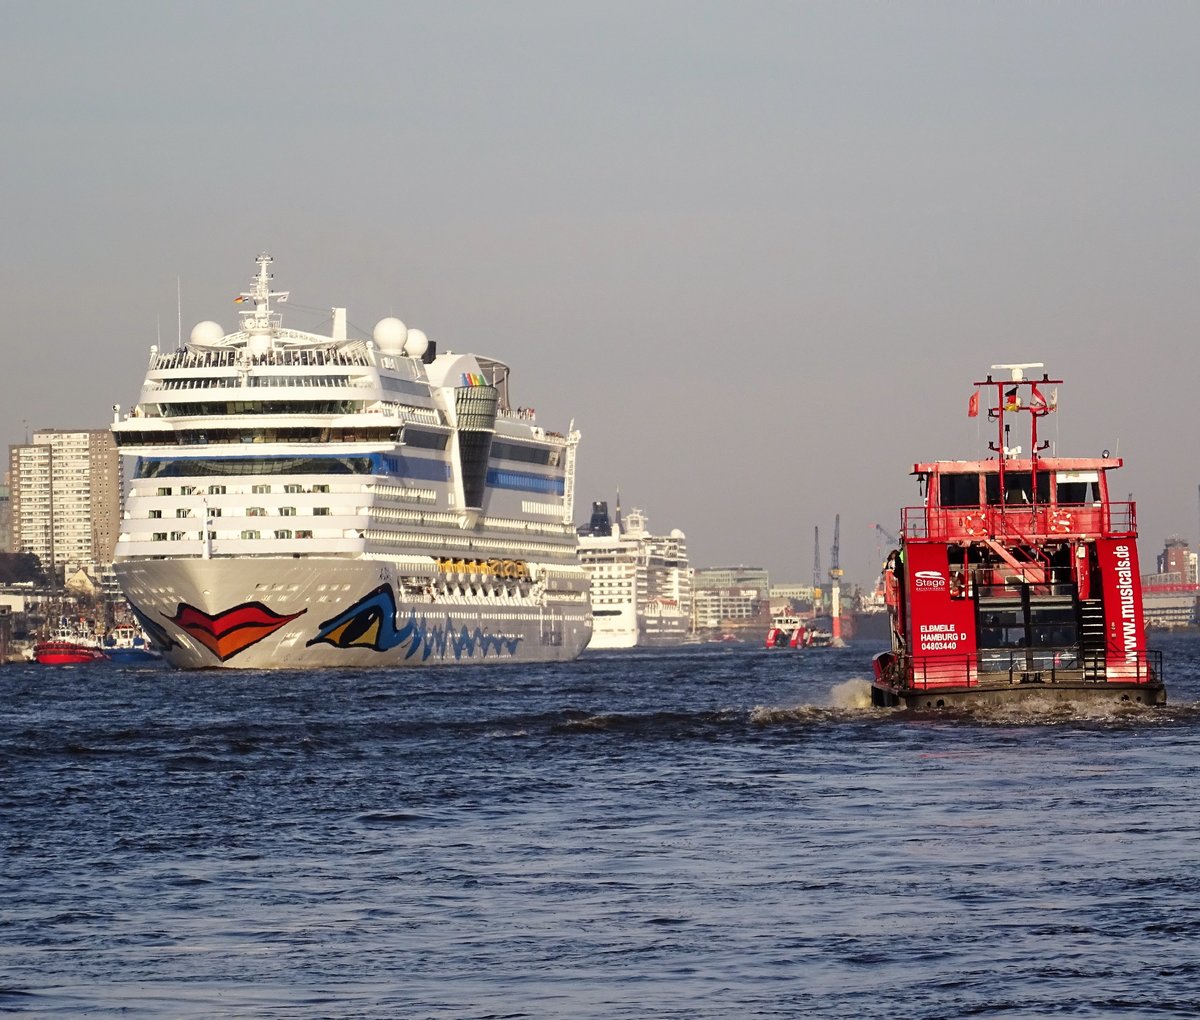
x=127 y=644
x=1017 y=579
x=66 y=647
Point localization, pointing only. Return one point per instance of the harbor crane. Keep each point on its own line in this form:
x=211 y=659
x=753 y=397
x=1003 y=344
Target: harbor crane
x=886 y=535
x=883 y=535
x=816 y=592
x=835 y=581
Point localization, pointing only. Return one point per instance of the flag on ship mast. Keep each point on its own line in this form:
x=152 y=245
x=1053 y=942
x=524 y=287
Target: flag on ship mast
x=1036 y=400
x=1011 y=400
x=973 y=405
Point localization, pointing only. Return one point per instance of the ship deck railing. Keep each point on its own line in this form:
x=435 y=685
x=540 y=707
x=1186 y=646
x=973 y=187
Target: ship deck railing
x=1019 y=521
x=991 y=667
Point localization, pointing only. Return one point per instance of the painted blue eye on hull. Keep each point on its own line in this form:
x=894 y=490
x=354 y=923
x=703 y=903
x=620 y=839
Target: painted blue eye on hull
x=371 y=623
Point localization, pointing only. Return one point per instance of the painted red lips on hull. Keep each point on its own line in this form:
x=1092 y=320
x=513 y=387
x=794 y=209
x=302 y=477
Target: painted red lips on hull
x=227 y=633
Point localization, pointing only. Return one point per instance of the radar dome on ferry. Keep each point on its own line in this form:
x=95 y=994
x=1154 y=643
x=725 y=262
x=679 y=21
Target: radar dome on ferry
x=207 y=332
x=390 y=334
x=676 y=533
x=417 y=345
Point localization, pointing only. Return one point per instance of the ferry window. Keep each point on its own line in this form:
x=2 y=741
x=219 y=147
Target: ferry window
x=214 y=511
x=283 y=533
x=216 y=490
x=304 y=534
x=164 y=492
x=250 y=534
x=287 y=511
x=1002 y=628
x=156 y=514
x=959 y=490
x=177 y=536
x=293 y=487
x=320 y=511
x=160 y=536
x=187 y=490
x=320 y=488
x=183 y=512
x=256 y=511
x=1052 y=627
x=1018 y=486
x=1078 y=487
x=260 y=488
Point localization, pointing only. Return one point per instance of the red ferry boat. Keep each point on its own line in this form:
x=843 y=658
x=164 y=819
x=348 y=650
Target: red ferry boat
x=65 y=648
x=1018 y=577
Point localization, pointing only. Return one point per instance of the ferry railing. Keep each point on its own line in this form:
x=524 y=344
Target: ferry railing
x=1018 y=521
x=991 y=666
x=1003 y=583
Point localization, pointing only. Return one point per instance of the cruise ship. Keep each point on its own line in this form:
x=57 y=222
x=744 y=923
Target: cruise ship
x=298 y=500
x=641 y=583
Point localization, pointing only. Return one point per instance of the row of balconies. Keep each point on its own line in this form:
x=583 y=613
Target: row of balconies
x=137 y=528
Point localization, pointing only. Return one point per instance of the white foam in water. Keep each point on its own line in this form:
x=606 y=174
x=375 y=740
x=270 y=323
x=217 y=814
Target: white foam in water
x=852 y=693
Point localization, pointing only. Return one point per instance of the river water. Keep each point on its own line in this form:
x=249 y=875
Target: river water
x=704 y=833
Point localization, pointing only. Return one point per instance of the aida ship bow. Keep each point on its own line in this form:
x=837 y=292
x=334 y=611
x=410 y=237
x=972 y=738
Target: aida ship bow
x=296 y=500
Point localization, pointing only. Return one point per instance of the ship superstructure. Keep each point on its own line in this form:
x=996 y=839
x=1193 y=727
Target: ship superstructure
x=641 y=583
x=1017 y=577
x=296 y=499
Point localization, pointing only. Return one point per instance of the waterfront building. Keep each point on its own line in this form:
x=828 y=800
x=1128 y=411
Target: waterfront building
x=731 y=599
x=1176 y=558
x=5 y=516
x=785 y=596
x=65 y=499
x=1169 y=598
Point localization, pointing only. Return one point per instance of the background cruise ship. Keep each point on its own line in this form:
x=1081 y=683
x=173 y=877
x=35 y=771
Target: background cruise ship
x=641 y=583
x=304 y=500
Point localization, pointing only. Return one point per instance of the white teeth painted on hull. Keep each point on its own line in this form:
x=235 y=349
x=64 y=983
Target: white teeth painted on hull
x=296 y=500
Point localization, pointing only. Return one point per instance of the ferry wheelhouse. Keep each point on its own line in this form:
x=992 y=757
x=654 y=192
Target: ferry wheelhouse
x=1018 y=576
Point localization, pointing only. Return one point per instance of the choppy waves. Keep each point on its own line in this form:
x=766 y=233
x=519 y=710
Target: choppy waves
x=687 y=834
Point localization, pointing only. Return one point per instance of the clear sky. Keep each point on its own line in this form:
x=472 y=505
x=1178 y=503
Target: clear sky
x=758 y=251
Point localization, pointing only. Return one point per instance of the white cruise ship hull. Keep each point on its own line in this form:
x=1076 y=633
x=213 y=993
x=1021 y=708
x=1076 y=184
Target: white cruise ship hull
x=613 y=626
x=312 y=612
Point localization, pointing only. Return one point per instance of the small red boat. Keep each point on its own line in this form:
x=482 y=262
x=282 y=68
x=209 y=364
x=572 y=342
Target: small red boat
x=66 y=648
x=1017 y=578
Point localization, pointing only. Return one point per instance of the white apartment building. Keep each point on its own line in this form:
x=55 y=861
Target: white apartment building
x=65 y=498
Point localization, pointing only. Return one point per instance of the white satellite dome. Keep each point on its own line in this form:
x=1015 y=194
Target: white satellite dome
x=390 y=334
x=207 y=332
x=418 y=343
x=676 y=533
x=258 y=344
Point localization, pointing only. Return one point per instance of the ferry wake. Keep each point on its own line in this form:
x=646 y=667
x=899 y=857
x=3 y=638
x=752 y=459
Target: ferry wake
x=1018 y=576
x=299 y=500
